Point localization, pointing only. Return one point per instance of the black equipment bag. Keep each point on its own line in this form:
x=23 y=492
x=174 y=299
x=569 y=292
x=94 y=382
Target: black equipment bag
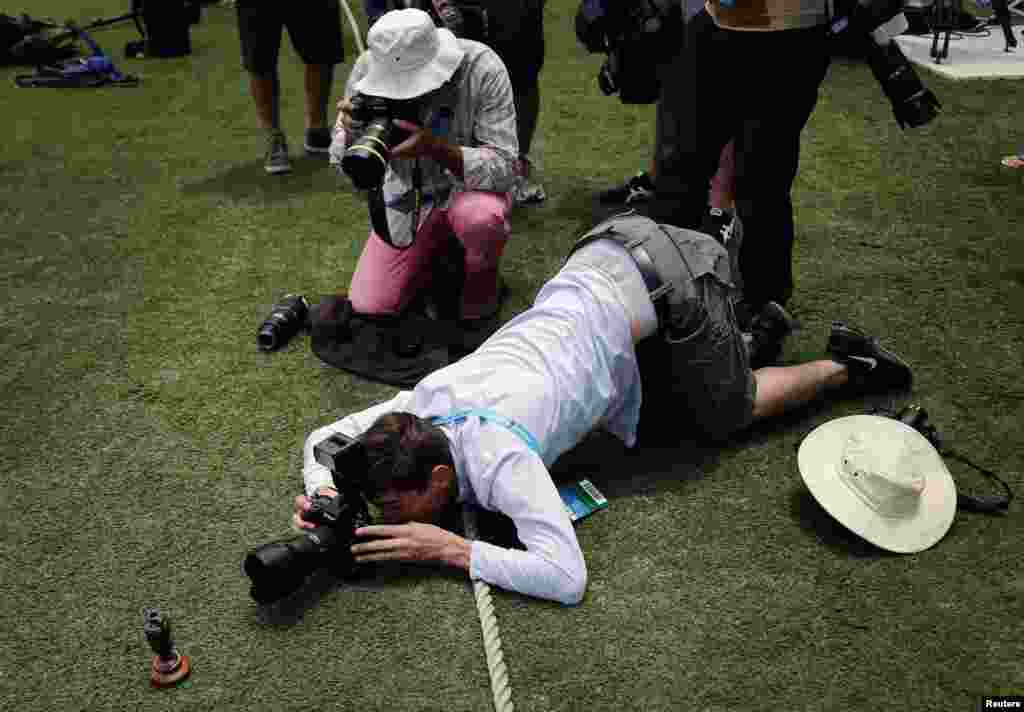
x=638 y=36
x=401 y=349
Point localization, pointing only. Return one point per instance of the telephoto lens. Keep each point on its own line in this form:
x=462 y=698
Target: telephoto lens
x=366 y=160
x=913 y=104
x=284 y=321
x=281 y=567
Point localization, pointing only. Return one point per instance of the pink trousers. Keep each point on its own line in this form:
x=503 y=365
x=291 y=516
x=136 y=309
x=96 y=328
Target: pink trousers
x=387 y=279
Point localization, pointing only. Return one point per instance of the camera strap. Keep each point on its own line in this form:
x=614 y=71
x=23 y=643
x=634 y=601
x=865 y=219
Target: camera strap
x=984 y=504
x=417 y=186
x=379 y=208
x=490 y=416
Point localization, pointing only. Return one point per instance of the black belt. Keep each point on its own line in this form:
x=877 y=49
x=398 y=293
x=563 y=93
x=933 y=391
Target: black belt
x=657 y=288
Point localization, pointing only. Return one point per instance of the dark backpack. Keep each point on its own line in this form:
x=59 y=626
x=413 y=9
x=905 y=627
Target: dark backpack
x=638 y=36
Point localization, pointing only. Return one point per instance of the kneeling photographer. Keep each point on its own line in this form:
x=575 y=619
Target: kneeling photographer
x=428 y=129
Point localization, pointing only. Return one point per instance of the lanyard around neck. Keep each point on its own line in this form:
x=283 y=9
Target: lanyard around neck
x=490 y=416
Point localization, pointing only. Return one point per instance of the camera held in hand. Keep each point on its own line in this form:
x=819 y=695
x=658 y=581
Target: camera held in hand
x=913 y=104
x=281 y=567
x=366 y=159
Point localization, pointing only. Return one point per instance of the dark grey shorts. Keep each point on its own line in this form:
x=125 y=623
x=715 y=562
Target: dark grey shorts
x=696 y=370
x=314 y=28
x=699 y=375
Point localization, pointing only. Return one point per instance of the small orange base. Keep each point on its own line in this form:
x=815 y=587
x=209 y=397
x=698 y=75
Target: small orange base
x=162 y=675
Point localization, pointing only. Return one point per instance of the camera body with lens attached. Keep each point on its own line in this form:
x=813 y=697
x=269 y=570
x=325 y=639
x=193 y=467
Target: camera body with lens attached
x=870 y=25
x=366 y=159
x=279 y=568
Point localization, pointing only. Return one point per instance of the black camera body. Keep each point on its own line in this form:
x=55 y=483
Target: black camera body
x=913 y=104
x=917 y=417
x=281 y=567
x=366 y=159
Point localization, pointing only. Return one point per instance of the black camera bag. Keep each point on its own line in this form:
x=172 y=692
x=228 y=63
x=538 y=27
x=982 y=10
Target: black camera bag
x=638 y=36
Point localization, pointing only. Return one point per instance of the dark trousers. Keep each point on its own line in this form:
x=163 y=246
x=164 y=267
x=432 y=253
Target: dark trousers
x=759 y=89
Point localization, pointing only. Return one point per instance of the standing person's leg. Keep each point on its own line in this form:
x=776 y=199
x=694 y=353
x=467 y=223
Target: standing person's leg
x=723 y=183
x=698 y=114
x=317 y=82
x=479 y=219
x=259 y=29
x=266 y=93
x=315 y=31
x=517 y=36
x=768 y=152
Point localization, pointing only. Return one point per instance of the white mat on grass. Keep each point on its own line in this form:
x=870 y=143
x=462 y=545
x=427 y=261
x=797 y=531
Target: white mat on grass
x=970 y=57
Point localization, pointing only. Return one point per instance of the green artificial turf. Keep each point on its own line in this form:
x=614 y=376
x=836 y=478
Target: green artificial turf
x=145 y=444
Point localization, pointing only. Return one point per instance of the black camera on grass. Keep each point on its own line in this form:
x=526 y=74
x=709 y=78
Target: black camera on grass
x=913 y=104
x=281 y=567
x=366 y=159
x=285 y=320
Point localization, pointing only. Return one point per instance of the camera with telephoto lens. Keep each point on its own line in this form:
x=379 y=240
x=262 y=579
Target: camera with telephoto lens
x=281 y=567
x=913 y=104
x=366 y=159
x=284 y=321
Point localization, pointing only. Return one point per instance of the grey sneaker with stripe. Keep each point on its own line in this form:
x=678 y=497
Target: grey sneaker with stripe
x=275 y=160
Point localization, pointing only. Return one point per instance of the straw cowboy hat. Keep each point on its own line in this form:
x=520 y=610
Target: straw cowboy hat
x=881 y=479
x=409 y=56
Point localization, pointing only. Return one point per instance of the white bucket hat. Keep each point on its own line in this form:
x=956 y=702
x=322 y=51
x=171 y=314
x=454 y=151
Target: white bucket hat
x=409 y=56
x=881 y=479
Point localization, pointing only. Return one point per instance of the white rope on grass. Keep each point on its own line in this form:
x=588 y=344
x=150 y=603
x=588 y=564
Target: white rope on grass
x=356 y=32
x=501 y=689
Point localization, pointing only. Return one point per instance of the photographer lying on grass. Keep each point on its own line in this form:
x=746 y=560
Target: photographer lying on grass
x=571 y=363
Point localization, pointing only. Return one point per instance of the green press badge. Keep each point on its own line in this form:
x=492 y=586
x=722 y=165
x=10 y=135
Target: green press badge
x=581 y=499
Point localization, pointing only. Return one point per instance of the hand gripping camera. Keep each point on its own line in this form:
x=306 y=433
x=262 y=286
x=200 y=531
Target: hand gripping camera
x=871 y=25
x=281 y=567
x=366 y=159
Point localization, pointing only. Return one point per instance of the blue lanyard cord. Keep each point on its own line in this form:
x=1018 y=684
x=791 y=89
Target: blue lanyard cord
x=487 y=415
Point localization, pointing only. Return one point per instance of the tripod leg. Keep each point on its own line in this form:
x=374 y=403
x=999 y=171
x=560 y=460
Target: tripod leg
x=1002 y=12
x=945 y=46
x=935 y=46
